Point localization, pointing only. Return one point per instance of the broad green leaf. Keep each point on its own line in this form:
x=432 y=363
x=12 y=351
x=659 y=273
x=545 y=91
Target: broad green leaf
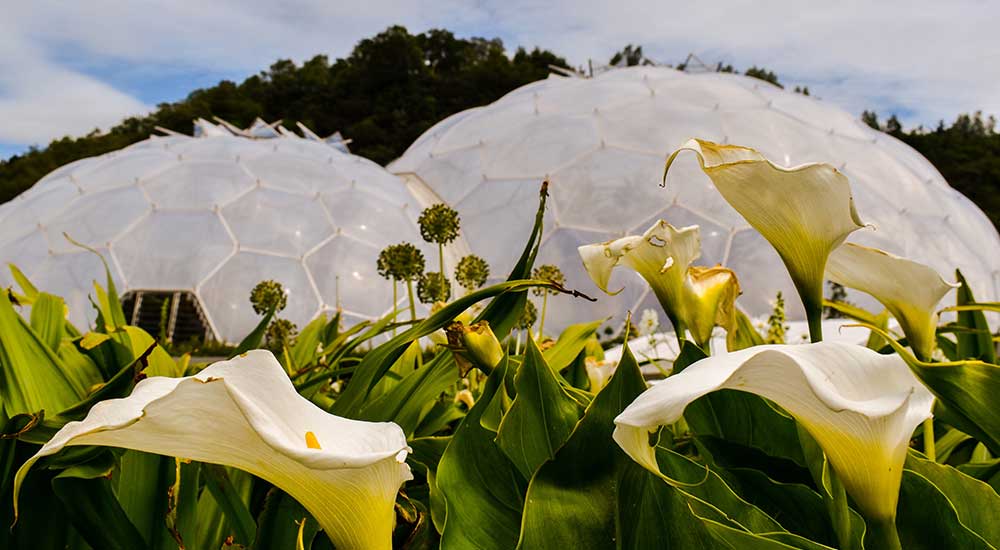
x=987 y=472
x=378 y=361
x=119 y=386
x=740 y=417
x=279 y=525
x=412 y=398
x=142 y=484
x=847 y=524
x=307 y=344
x=482 y=489
x=927 y=520
x=592 y=496
x=744 y=335
x=966 y=393
x=159 y=361
x=569 y=345
x=541 y=418
x=90 y=503
x=978 y=344
x=48 y=319
x=214 y=523
x=32 y=378
x=976 y=504
x=255 y=339
x=27 y=288
x=230 y=499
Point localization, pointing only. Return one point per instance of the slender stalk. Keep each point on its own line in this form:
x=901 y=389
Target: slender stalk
x=882 y=534
x=395 y=304
x=441 y=260
x=929 y=449
x=541 y=321
x=413 y=306
x=517 y=343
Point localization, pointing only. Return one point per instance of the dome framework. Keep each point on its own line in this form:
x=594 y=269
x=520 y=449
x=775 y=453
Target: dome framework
x=212 y=215
x=601 y=142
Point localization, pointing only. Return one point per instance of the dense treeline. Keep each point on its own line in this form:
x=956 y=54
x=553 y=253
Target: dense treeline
x=395 y=85
x=967 y=153
x=388 y=91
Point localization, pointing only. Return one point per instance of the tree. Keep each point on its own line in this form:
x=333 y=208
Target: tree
x=763 y=74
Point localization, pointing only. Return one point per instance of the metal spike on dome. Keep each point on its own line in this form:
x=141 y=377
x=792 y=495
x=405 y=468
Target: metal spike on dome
x=307 y=133
x=262 y=130
x=233 y=129
x=167 y=131
x=204 y=128
x=337 y=141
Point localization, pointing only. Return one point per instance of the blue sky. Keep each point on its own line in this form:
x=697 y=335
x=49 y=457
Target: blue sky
x=67 y=68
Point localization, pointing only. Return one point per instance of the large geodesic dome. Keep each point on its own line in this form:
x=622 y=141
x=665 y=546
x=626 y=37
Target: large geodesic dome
x=602 y=142
x=208 y=217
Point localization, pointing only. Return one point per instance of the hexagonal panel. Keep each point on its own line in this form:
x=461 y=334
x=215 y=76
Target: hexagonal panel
x=762 y=275
x=25 y=212
x=367 y=218
x=126 y=168
x=278 y=222
x=290 y=172
x=95 y=219
x=71 y=276
x=172 y=250
x=609 y=189
x=198 y=184
x=513 y=153
x=345 y=274
x=226 y=294
x=657 y=126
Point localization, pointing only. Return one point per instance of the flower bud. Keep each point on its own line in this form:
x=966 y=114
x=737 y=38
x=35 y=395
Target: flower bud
x=474 y=345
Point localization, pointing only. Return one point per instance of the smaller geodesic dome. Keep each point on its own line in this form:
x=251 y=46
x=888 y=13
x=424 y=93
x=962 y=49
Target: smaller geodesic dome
x=211 y=215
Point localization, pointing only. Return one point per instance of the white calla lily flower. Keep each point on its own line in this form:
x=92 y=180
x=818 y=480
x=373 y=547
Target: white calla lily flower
x=246 y=413
x=805 y=212
x=859 y=405
x=694 y=298
x=910 y=291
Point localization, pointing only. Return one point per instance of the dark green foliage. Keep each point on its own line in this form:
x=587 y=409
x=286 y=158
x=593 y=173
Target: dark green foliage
x=390 y=89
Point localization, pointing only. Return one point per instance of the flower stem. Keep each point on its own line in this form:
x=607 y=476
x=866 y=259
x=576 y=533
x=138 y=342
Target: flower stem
x=541 y=321
x=929 y=440
x=882 y=534
x=814 y=315
x=413 y=307
x=395 y=304
x=441 y=260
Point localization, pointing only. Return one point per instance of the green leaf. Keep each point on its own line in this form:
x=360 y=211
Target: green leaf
x=569 y=345
x=119 y=386
x=32 y=378
x=592 y=496
x=378 y=361
x=29 y=290
x=976 y=504
x=966 y=393
x=231 y=501
x=745 y=334
x=482 y=489
x=740 y=417
x=278 y=529
x=541 y=418
x=412 y=398
x=90 y=503
x=256 y=336
x=978 y=344
x=927 y=520
x=142 y=484
x=307 y=343
x=48 y=319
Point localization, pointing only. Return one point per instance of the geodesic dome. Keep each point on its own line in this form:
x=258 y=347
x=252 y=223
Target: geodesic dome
x=602 y=142
x=212 y=215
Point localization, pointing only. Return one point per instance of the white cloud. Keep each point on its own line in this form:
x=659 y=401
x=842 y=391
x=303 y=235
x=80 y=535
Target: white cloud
x=933 y=59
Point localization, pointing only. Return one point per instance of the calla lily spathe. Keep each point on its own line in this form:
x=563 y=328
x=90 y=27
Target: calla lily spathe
x=805 y=212
x=245 y=413
x=694 y=298
x=910 y=291
x=859 y=405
